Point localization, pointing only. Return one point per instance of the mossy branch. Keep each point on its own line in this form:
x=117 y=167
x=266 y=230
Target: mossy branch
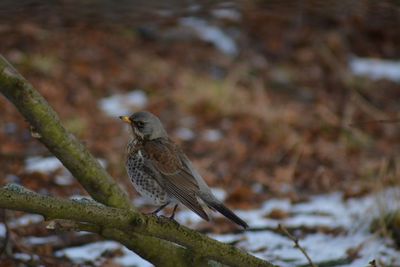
x=55 y=137
x=103 y=189
x=123 y=220
x=112 y=223
x=85 y=168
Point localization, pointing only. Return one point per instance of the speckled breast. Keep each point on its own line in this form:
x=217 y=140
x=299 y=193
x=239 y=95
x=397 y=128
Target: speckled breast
x=146 y=185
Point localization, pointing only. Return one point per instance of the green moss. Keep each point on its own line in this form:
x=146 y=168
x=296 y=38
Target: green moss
x=149 y=230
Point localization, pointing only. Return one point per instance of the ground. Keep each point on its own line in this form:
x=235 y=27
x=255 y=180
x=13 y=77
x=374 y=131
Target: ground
x=274 y=103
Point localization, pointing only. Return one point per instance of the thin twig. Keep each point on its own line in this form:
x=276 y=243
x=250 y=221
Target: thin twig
x=296 y=244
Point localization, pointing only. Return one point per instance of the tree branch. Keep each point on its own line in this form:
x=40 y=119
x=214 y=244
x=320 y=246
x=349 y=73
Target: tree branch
x=55 y=137
x=176 y=256
x=61 y=143
x=102 y=188
x=18 y=198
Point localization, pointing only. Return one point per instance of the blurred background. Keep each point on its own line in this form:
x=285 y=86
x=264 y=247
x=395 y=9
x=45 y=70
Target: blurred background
x=289 y=109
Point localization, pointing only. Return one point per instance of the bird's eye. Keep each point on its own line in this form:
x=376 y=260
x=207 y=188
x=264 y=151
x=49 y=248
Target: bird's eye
x=139 y=124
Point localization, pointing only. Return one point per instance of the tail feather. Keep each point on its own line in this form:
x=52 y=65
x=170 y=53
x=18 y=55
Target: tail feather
x=227 y=213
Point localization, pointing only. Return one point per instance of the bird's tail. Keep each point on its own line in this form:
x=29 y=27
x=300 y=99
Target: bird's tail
x=221 y=208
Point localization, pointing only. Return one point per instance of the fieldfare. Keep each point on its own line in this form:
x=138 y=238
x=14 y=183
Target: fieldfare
x=160 y=171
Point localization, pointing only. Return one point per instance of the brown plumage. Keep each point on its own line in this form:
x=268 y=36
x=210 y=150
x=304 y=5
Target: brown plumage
x=161 y=171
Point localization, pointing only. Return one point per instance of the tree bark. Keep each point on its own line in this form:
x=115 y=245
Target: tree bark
x=112 y=223
x=152 y=238
x=45 y=122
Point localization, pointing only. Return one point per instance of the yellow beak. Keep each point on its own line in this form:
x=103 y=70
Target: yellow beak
x=125 y=119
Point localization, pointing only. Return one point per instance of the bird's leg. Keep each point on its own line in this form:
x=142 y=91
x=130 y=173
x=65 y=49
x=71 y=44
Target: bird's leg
x=173 y=212
x=158 y=209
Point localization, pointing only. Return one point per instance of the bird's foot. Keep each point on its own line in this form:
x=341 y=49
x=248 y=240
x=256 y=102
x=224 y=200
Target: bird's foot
x=154 y=213
x=173 y=213
x=163 y=218
x=151 y=213
x=167 y=219
x=173 y=220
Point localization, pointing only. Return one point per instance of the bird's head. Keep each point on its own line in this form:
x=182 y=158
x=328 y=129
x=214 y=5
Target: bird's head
x=145 y=125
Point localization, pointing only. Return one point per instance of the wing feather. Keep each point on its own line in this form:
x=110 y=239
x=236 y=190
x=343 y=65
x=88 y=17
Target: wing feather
x=163 y=161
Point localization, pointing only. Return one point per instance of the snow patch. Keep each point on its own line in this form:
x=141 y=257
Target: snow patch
x=34 y=240
x=89 y=252
x=212 y=135
x=25 y=257
x=187 y=217
x=123 y=104
x=184 y=133
x=376 y=68
x=64 y=179
x=226 y=13
x=211 y=34
x=25 y=220
x=2 y=230
x=130 y=259
x=331 y=210
x=50 y=164
x=92 y=253
x=41 y=164
x=219 y=193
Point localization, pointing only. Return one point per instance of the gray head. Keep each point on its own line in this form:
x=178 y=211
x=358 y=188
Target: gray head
x=145 y=125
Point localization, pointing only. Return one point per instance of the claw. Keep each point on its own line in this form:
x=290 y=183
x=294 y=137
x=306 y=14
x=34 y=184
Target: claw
x=173 y=212
x=158 y=209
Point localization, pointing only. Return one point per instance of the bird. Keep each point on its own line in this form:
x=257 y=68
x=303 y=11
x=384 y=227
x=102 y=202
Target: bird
x=160 y=171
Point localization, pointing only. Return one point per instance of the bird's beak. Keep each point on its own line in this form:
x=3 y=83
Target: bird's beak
x=125 y=119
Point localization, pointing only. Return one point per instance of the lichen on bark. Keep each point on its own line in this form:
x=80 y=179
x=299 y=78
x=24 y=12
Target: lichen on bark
x=161 y=241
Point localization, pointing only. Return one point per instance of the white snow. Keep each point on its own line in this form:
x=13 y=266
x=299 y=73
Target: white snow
x=330 y=211
x=376 y=68
x=25 y=220
x=219 y=193
x=34 y=240
x=2 y=230
x=92 y=253
x=281 y=204
x=51 y=164
x=25 y=257
x=353 y=216
x=226 y=13
x=187 y=217
x=212 y=135
x=123 y=104
x=79 y=197
x=131 y=259
x=89 y=252
x=184 y=133
x=211 y=34
x=42 y=164
x=256 y=218
x=64 y=179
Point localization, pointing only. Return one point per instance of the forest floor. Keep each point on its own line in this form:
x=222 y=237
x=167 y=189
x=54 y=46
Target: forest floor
x=283 y=111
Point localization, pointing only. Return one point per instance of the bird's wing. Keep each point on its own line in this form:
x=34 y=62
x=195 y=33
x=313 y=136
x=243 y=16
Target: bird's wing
x=163 y=161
